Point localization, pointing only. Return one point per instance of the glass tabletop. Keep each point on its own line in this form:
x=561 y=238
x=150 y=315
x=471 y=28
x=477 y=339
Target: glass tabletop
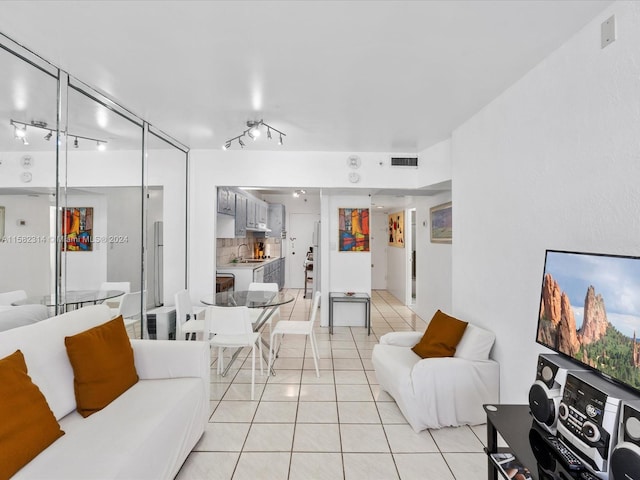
x=72 y=297
x=251 y=299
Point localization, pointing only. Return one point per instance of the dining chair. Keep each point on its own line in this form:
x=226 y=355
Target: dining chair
x=291 y=327
x=130 y=308
x=114 y=303
x=230 y=327
x=256 y=312
x=188 y=318
x=7 y=298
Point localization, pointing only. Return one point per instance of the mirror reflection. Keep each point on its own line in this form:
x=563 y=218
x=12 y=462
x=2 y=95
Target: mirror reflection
x=28 y=97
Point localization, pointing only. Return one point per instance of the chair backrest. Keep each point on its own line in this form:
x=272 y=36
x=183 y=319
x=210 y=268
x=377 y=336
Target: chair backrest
x=265 y=287
x=262 y=287
x=7 y=298
x=184 y=310
x=227 y=321
x=314 y=309
x=123 y=286
x=131 y=304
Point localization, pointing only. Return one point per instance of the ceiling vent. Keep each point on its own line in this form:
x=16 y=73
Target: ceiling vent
x=404 y=161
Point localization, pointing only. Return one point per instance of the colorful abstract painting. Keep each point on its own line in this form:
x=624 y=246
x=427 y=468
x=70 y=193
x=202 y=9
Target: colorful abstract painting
x=77 y=229
x=396 y=229
x=353 y=229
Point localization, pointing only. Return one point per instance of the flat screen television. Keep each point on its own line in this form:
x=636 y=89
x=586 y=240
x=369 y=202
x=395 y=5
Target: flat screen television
x=590 y=311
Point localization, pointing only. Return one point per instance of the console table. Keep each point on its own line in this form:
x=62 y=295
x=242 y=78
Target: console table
x=527 y=441
x=353 y=298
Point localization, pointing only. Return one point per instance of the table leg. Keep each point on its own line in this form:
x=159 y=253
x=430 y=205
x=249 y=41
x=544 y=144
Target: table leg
x=492 y=447
x=330 y=315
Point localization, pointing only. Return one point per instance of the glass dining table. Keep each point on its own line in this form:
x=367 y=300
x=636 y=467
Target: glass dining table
x=267 y=301
x=72 y=298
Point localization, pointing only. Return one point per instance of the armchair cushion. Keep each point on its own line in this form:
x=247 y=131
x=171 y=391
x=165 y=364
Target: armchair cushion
x=441 y=337
x=28 y=425
x=103 y=365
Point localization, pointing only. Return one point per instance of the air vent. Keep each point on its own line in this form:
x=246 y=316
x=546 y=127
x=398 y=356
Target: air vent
x=404 y=161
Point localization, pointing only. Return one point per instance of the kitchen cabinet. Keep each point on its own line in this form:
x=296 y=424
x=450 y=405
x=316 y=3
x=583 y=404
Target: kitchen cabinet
x=262 y=212
x=241 y=216
x=276 y=220
x=226 y=201
x=251 y=213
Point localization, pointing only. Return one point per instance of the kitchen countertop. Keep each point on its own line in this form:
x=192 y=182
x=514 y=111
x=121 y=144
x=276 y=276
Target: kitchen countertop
x=249 y=265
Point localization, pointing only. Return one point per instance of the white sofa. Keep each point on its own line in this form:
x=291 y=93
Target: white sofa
x=145 y=433
x=438 y=392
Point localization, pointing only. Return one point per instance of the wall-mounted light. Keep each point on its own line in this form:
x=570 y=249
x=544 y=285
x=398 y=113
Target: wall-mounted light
x=297 y=193
x=253 y=132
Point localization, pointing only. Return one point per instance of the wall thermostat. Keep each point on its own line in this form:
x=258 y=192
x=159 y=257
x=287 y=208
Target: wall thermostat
x=26 y=161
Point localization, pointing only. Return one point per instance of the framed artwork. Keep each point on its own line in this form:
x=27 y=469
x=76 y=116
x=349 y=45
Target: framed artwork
x=441 y=223
x=353 y=230
x=396 y=229
x=77 y=229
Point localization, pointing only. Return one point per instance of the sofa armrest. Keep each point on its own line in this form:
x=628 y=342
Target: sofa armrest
x=401 y=339
x=155 y=359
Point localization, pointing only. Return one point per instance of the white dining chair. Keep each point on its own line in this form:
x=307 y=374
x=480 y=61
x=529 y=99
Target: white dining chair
x=230 y=327
x=189 y=320
x=130 y=308
x=256 y=312
x=114 y=303
x=7 y=298
x=291 y=327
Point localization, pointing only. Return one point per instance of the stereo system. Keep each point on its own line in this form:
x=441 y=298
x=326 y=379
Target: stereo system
x=595 y=419
x=545 y=394
x=625 y=458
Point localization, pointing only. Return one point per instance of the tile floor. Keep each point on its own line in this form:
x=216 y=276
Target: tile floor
x=338 y=426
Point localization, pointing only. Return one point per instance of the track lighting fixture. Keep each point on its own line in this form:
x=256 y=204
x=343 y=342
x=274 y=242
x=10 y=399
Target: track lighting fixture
x=253 y=132
x=20 y=132
x=297 y=193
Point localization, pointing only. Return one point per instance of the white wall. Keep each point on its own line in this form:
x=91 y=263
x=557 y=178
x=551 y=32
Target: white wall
x=326 y=170
x=554 y=162
x=24 y=256
x=397 y=263
x=433 y=262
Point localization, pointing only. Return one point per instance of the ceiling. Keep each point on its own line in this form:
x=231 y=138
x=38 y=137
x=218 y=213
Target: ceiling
x=388 y=76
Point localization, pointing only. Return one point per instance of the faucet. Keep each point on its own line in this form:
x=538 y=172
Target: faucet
x=239 y=247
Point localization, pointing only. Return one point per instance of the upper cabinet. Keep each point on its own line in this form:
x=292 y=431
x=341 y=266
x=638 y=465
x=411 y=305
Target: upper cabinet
x=226 y=201
x=262 y=209
x=241 y=216
x=277 y=220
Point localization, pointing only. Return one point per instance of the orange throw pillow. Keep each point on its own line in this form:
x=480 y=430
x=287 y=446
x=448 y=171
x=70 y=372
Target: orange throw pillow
x=103 y=367
x=441 y=338
x=27 y=424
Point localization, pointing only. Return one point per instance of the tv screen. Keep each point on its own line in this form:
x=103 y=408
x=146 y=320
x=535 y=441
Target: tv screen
x=590 y=311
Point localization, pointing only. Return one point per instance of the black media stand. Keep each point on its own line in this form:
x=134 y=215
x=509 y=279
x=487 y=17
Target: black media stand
x=529 y=443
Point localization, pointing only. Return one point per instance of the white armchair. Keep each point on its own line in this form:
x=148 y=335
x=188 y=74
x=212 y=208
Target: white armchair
x=439 y=392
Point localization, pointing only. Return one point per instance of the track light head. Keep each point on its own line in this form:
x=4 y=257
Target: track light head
x=241 y=143
x=268 y=133
x=47 y=137
x=280 y=141
x=75 y=143
x=19 y=131
x=101 y=146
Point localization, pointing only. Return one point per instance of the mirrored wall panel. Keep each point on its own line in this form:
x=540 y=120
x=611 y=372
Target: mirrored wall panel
x=28 y=124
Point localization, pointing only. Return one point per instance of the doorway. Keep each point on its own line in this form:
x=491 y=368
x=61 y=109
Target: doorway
x=299 y=240
x=411 y=248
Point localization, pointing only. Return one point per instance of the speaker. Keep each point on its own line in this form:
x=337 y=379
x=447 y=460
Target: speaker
x=546 y=392
x=589 y=419
x=625 y=458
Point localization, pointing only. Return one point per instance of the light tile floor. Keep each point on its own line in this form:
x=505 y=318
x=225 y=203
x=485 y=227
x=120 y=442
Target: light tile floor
x=338 y=426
